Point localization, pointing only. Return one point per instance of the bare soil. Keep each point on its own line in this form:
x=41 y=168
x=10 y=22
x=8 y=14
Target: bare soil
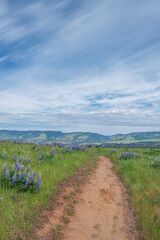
x=96 y=210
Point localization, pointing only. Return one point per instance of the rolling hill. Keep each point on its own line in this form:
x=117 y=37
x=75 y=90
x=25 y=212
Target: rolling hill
x=51 y=136
x=77 y=137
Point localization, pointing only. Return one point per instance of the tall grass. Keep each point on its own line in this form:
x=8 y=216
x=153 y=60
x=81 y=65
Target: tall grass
x=20 y=210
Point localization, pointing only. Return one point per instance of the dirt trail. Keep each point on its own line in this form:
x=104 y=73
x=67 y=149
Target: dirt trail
x=101 y=213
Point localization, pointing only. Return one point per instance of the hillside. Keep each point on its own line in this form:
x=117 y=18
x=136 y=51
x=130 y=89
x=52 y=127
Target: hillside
x=78 y=137
x=51 y=136
x=136 y=137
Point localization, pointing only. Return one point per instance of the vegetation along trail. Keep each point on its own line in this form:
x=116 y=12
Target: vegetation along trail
x=102 y=211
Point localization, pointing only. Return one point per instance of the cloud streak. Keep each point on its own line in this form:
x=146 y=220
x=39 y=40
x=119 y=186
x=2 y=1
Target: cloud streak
x=76 y=66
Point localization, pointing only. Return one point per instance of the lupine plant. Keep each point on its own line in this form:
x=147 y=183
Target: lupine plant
x=127 y=155
x=17 y=178
x=113 y=150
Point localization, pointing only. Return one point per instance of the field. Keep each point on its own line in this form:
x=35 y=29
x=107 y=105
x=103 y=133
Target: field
x=141 y=174
x=21 y=204
x=21 y=208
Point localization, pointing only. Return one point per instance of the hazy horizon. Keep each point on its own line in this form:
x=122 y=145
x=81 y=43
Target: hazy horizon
x=80 y=66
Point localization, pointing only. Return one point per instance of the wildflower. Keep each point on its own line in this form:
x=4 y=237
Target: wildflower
x=26 y=183
x=38 y=158
x=40 y=186
x=53 y=152
x=3 y=156
x=32 y=177
x=7 y=175
x=13 y=180
x=16 y=165
x=38 y=180
x=18 y=168
x=4 y=168
x=6 y=155
x=20 y=177
x=22 y=169
x=29 y=160
x=28 y=168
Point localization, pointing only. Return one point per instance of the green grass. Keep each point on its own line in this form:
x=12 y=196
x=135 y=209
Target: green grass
x=19 y=211
x=143 y=183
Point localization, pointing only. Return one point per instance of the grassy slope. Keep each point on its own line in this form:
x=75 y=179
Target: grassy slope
x=143 y=183
x=18 y=211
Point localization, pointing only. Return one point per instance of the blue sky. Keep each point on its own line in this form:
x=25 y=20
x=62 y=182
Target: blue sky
x=85 y=65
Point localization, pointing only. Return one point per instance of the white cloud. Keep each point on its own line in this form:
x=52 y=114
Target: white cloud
x=95 y=68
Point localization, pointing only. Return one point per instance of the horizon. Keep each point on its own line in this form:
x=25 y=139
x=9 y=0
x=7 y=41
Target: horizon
x=76 y=132
x=84 y=66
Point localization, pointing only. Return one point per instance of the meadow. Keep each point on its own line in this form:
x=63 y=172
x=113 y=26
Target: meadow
x=139 y=169
x=29 y=175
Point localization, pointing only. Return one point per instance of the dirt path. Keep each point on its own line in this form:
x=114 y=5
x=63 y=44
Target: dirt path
x=102 y=211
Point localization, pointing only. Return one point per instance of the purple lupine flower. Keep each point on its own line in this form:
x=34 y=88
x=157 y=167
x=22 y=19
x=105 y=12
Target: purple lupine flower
x=6 y=155
x=3 y=156
x=28 y=168
x=14 y=158
x=53 y=152
x=28 y=175
x=13 y=180
x=42 y=154
x=40 y=186
x=25 y=159
x=4 y=168
x=7 y=175
x=10 y=168
x=37 y=149
x=20 y=177
x=24 y=174
x=19 y=159
x=30 y=154
x=18 y=167
x=32 y=177
x=22 y=169
x=26 y=183
x=29 y=160
x=38 y=158
x=38 y=180
x=15 y=155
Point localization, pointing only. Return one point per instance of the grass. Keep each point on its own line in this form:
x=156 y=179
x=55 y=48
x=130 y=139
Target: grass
x=19 y=211
x=143 y=183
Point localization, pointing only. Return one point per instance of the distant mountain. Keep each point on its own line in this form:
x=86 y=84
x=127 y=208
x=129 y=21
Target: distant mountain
x=51 y=136
x=136 y=137
x=77 y=137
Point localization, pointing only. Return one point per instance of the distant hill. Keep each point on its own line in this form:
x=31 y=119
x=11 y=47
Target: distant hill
x=77 y=137
x=51 y=136
x=136 y=137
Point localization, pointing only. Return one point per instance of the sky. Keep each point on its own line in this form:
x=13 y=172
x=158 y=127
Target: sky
x=84 y=65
